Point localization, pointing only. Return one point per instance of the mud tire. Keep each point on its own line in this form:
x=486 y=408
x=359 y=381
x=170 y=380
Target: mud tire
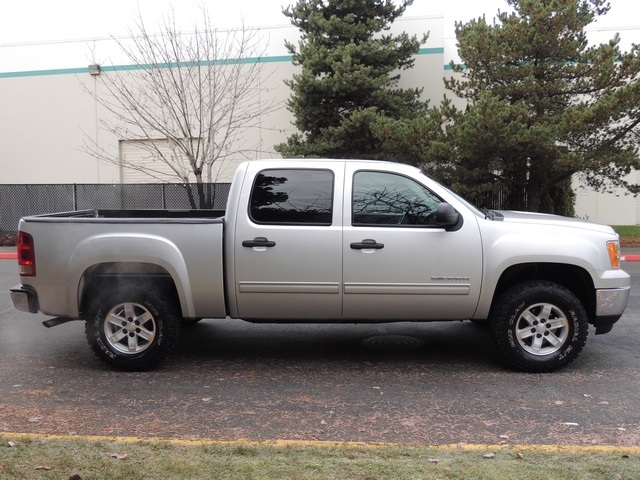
x=539 y=326
x=133 y=327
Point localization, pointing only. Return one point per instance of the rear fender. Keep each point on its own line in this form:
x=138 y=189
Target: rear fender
x=126 y=248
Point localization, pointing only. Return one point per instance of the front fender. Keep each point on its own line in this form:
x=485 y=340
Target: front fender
x=531 y=247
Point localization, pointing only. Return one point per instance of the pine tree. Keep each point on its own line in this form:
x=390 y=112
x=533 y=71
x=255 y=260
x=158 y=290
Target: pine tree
x=349 y=76
x=542 y=105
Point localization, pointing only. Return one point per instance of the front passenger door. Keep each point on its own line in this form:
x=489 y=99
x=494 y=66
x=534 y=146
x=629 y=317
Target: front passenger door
x=398 y=263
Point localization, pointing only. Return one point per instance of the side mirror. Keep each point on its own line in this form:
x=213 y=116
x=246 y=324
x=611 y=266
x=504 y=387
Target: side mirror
x=446 y=215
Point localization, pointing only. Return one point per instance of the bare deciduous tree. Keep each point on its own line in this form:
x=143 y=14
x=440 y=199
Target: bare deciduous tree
x=190 y=99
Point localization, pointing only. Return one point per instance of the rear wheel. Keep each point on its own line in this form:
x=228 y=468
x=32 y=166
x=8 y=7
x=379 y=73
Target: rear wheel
x=132 y=328
x=539 y=326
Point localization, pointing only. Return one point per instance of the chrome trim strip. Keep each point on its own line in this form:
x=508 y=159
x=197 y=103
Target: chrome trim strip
x=407 y=288
x=289 y=287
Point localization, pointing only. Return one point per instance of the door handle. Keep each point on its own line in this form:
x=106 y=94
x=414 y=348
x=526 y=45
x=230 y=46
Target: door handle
x=258 y=242
x=367 y=244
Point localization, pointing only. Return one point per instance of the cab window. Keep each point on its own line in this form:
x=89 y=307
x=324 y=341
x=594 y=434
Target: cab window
x=382 y=198
x=292 y=197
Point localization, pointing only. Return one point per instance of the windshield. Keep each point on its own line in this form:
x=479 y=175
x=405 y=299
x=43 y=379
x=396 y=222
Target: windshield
x=482 y=213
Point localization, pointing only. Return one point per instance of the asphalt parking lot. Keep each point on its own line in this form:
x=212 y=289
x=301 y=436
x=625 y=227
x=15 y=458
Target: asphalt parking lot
x=234 y=380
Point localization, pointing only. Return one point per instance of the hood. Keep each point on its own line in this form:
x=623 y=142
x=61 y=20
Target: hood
x=552 y=220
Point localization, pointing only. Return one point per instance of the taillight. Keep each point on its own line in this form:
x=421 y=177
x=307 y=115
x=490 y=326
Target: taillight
x=26 y=255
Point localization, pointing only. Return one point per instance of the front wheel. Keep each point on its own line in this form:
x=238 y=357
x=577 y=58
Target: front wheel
x=132 y=328
x=539 y=326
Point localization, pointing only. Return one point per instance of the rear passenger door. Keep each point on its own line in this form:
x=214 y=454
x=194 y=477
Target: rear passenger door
x=288 y=252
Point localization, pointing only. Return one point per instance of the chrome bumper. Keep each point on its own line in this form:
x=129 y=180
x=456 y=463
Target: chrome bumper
x=611 y=302
x=25 y=298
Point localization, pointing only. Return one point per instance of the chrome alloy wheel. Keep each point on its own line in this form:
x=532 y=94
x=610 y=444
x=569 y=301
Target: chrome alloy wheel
x=130 y=328
x=542 y=329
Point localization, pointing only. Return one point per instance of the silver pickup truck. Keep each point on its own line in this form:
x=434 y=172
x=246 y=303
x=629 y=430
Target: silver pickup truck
x=324 y=241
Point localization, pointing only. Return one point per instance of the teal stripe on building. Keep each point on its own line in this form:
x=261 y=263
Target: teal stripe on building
x=122 y=68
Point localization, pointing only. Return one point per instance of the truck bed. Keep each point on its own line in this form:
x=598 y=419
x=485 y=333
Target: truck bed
x=185 y=245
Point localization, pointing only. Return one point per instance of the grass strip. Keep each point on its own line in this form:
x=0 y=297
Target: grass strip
x=58 y=457
x=629 y=235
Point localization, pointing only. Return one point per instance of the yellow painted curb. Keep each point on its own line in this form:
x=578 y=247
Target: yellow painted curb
x=327 y=444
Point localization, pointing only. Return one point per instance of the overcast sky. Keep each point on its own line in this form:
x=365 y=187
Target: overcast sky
x=27 y=22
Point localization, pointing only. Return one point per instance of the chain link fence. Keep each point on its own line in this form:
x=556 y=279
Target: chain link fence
x=17 y=201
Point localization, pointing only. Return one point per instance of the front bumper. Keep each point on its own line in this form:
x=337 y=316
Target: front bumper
x=25 y=298
x=610 y=305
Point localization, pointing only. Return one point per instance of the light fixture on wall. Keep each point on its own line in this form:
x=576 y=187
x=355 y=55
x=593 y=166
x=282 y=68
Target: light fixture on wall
x=94 y=69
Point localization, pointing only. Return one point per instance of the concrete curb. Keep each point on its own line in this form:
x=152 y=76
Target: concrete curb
x=618 y=449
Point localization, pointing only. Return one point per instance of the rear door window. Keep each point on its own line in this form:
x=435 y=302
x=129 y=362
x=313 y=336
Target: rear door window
x=292 y=197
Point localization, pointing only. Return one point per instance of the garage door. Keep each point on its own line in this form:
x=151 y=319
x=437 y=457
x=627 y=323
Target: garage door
x=144 y=158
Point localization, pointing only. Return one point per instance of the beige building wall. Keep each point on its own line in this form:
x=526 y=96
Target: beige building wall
x=616 y=208
x=42 y=127
x=50 y=119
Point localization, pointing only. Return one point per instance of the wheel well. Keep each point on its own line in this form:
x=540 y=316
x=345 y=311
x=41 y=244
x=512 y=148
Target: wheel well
x=113 y=275
x=574 y=278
